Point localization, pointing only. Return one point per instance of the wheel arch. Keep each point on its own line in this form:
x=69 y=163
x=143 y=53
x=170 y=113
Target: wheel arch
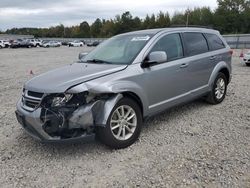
x=102 y=112
x=220 y=67
x=136 y=98
x=225 y=71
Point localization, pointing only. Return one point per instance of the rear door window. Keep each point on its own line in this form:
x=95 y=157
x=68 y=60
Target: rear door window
x=214 y=42
x=195 y=43
x=171 y=44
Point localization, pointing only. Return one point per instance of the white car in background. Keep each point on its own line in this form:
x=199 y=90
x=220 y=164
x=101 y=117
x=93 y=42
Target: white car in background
x=4 y=44
x=36 y=42
x=1 y=44
x=76 y=43
x=246 y=58
x=51 y=44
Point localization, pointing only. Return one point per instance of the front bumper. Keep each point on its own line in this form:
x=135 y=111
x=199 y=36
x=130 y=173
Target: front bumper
x=33 y=125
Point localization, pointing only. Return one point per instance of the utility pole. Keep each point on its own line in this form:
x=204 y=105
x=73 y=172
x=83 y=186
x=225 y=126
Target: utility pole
x=187 y=21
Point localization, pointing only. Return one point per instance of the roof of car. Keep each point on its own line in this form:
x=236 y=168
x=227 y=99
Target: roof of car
x=169 y=29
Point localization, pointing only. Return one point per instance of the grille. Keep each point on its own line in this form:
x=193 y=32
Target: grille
x=35 y=94
x=31 y=100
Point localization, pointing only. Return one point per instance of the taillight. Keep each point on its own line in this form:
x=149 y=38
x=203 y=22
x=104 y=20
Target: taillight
x=231 y=52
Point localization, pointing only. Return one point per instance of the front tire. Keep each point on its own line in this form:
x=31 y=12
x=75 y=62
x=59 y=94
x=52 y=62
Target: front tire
x=219 y=90
x=248 y=64
x=123 y=126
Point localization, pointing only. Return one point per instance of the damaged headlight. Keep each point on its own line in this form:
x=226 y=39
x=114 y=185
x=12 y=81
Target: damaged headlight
x=61 y=100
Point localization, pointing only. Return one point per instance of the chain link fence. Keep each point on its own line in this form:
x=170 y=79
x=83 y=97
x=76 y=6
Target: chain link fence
x=238 y=41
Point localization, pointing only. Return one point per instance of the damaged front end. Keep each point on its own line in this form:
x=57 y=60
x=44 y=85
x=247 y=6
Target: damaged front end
x=62 y=117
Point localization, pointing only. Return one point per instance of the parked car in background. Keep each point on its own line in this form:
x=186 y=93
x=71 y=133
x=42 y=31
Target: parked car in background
x=95 y=43
x=6 y=43
x=35 y=42
x=246 y=58
x=65 y=43
x=76 y=43
x=83 y=41
x=128 y=78
x=2 y=44
x=21 y=43
x=15 y=43
x=51 y=44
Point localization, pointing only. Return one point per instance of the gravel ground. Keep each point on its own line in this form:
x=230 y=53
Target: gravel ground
x=195 y=145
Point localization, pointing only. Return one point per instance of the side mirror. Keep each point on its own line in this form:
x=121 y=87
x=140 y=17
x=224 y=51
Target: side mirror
x=154 y=58
x=82 y=55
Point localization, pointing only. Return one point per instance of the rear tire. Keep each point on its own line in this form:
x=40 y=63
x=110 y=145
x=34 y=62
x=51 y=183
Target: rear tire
x=248 y=64
x=123 y=126
x=219 y=90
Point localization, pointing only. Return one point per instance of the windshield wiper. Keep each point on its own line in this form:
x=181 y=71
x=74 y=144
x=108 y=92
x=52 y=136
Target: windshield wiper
x=98 y=61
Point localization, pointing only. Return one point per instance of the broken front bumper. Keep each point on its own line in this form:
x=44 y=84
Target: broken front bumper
x=33 y=125
x=89 y=115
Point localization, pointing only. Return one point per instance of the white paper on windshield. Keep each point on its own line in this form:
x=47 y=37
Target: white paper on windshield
x=143 y=38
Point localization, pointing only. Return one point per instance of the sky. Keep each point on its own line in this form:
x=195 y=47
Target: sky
x=46 y=13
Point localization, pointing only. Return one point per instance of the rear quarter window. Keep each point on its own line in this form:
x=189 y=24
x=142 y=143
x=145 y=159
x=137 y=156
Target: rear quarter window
x=195 y=43
x=214 y=42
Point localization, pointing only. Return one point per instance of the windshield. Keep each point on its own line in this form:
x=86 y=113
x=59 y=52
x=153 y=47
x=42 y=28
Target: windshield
x=121 y=49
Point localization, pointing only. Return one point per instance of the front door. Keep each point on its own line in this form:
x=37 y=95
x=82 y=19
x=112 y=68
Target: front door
x=167 y=82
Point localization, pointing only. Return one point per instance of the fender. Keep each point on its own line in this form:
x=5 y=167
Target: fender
x=101 y=113
x=119 y=87
x=221 y=65
x=93 y=114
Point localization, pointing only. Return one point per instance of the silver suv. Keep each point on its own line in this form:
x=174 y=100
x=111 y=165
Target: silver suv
x=110 y=91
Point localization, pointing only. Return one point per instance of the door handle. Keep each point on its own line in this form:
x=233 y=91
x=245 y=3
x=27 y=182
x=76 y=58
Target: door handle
x=212 y=57
x=184 y=65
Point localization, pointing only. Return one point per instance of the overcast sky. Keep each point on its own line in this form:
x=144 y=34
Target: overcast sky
x=46 y=13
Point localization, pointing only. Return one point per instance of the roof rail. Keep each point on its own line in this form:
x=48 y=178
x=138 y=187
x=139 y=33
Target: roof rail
x=199 y=26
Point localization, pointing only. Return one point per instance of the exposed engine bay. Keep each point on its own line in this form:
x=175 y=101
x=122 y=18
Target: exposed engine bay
x=74 y=115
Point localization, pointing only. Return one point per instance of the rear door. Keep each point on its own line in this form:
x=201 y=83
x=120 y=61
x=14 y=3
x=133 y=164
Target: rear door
x=200 y=66
x=215 y=46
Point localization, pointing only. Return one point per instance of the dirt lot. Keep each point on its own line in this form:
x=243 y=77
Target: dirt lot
x=196 y=145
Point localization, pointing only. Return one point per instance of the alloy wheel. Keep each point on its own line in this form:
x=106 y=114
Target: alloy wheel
x=123 y=122
x=220 y=88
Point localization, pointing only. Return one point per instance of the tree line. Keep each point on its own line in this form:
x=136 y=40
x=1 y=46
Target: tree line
x=231 y=16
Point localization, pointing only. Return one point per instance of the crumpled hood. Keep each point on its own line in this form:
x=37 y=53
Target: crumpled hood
x=59 y=80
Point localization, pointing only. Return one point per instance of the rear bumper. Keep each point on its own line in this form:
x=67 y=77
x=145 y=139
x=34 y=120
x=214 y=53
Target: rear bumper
x=33 y=125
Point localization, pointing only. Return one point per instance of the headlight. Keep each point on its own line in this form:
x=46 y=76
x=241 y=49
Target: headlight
x=61 y=100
